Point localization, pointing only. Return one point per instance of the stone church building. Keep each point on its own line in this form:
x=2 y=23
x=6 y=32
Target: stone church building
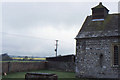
x=98 y=45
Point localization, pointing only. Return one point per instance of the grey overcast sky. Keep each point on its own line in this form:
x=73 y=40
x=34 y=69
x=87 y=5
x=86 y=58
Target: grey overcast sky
x=31 y=28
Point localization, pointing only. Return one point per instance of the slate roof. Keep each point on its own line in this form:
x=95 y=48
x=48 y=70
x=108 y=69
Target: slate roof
x=109 y=27
x=100 y=6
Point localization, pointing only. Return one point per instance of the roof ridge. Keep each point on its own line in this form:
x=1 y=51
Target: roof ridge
x=100 y=6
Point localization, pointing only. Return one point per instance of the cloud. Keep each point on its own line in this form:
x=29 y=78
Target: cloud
x=26 y=15
x=21 y=45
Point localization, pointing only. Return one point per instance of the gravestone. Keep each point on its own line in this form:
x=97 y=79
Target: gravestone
x=40 y=76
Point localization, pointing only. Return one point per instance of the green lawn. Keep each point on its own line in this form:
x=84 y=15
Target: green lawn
x=20 y=61
x=60 y=74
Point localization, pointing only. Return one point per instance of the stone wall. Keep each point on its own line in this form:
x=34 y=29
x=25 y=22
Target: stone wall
x=63 y=66
x=28 y=66
x=94 y=58
x=5 y=67
x=22 y=66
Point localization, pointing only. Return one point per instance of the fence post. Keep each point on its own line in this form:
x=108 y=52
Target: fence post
x=8 y=66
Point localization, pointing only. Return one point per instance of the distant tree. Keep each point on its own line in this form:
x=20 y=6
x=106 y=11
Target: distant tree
x=6 y=57
x=25 y=58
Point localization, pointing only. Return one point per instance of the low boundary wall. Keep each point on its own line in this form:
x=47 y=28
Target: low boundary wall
x=28 y=66
x=63 y=66
x=22 y=66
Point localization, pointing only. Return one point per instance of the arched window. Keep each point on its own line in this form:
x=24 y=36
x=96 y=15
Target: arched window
x=101 y=60
x=116 y=55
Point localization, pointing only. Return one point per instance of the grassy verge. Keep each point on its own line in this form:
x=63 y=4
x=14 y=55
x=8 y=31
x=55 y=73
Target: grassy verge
x=20 y=61
x=60 y=74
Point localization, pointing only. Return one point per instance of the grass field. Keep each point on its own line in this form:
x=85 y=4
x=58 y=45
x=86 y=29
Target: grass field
x=60 y=74
x=20 y=61
x=17 y=59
